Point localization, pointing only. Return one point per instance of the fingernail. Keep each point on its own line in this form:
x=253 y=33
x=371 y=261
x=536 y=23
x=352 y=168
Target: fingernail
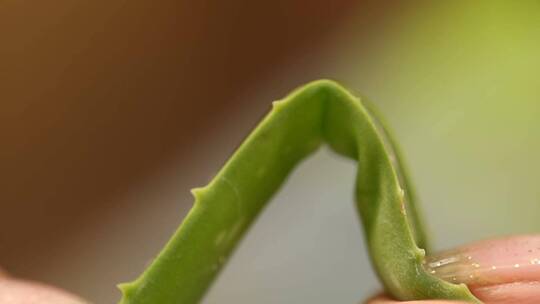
x=489 y=262
x=501 y=271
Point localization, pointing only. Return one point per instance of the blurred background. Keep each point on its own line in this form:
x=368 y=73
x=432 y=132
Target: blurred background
x=111 y=112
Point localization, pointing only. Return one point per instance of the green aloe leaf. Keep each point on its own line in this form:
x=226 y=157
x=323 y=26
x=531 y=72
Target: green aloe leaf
x=319 y=112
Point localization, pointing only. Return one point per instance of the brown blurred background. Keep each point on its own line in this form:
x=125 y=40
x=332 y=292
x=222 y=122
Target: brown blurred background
x=96 y=96
x=110 y=113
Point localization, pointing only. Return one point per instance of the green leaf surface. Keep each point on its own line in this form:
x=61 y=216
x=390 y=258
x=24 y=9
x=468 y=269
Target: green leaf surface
x=319 y=112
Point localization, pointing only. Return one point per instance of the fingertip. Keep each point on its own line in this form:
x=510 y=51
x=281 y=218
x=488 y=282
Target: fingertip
x=25 y=292
x=491 y=262
x=505 y=270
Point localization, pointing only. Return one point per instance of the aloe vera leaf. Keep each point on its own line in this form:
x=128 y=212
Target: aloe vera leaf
x=321 y=111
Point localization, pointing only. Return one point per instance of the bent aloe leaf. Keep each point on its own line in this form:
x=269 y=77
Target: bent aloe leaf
x=319 y=112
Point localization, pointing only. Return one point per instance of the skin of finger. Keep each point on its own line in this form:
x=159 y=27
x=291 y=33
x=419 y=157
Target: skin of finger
x=512 y=293
x=14 y=291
